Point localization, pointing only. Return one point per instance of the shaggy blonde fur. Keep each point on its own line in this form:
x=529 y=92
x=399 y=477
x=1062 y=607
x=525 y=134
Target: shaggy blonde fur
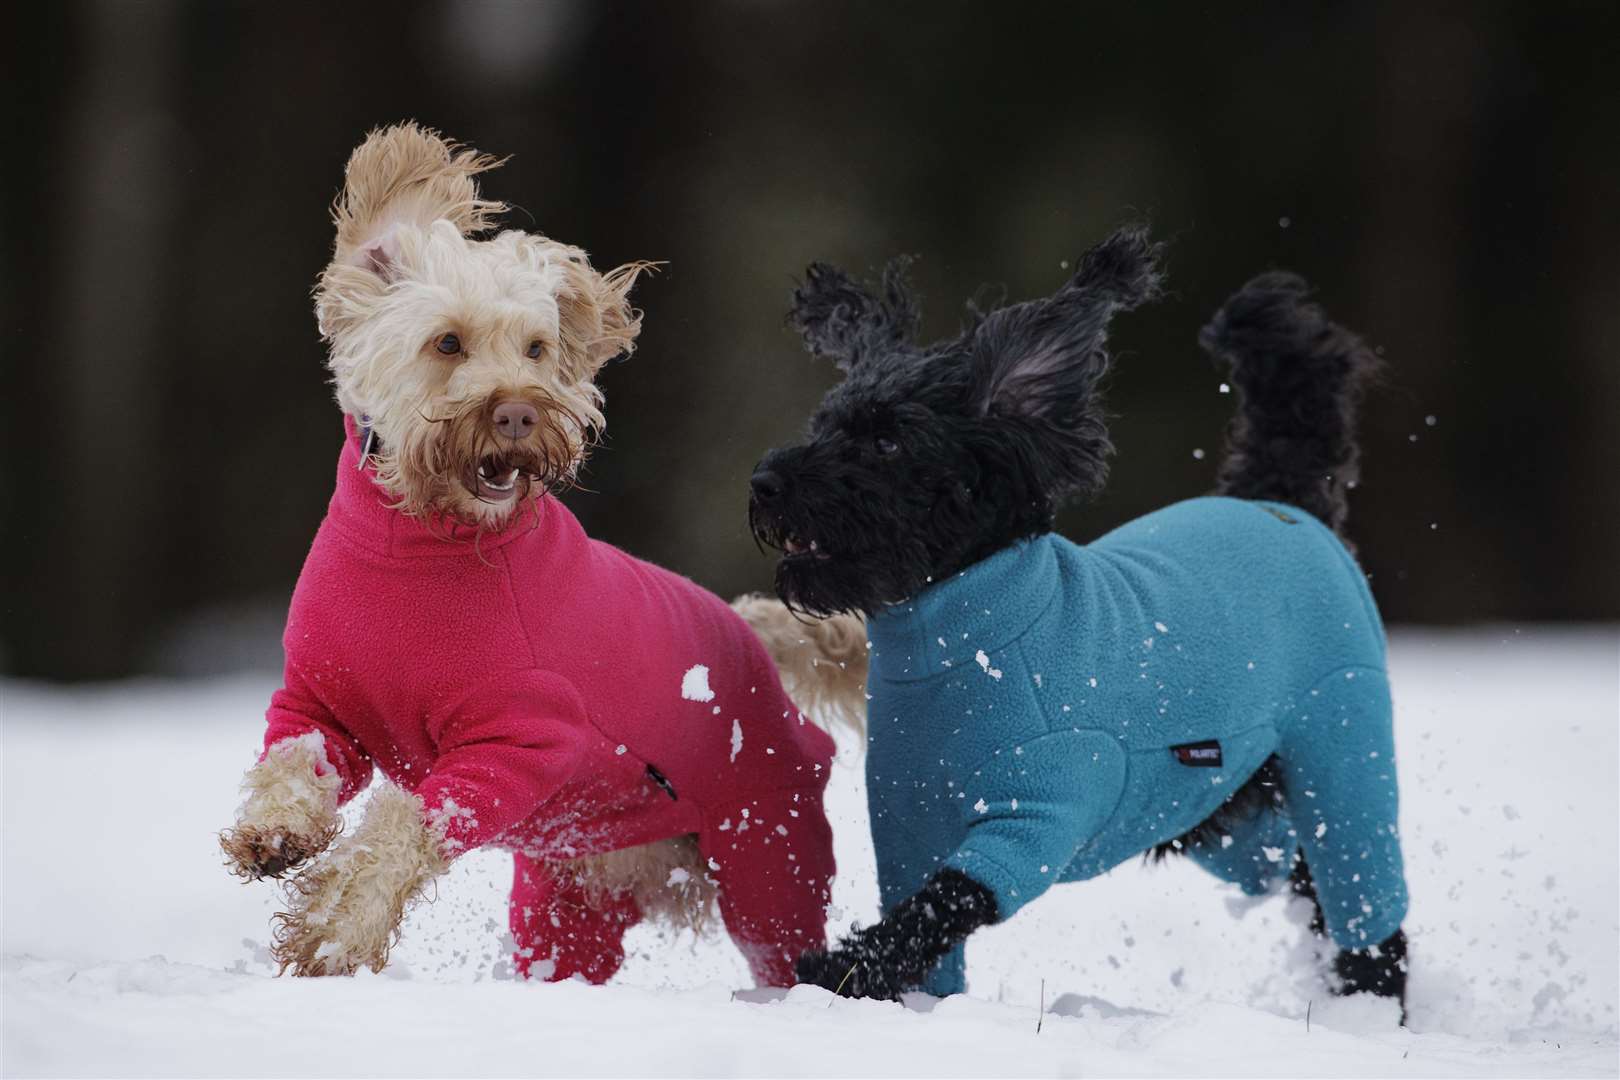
x=669 y=880
x=410 y=175
x=532 y=320
x=822 y=662
x=290 y=813
x=344 y=912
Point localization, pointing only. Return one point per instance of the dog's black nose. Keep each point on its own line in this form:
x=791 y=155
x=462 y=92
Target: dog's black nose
x=515 y=419
x=768 y=486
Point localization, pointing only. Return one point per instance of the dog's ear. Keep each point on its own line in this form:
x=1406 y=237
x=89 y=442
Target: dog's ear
x=407 y=175
x=1043 y=359
x=596 y=321
x=1038 y=364
x=400 y=175
x=845 y=323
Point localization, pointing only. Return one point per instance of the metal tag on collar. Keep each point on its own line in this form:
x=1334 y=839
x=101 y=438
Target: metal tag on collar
x=367 y=437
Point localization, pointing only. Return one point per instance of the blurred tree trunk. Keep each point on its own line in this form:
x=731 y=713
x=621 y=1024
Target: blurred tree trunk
x=98 y=474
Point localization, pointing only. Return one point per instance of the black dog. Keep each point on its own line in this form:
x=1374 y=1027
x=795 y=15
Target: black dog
x=931 y=468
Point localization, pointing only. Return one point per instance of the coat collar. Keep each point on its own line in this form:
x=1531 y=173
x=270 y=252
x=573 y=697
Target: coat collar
x=980 y=609
x=362 y=510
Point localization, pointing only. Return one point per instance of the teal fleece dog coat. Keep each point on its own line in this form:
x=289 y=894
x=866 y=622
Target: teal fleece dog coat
x=1055 y=709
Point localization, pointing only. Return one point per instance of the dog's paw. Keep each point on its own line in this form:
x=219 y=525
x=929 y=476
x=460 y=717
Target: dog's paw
x=255 y=852
x=817 y=969
x=848 y=973
x=342 y=914
x=290 y=814
x=344 y=910
x=315 y=939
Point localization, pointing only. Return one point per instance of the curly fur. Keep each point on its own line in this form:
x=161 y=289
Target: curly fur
x=844 y=323
x=408 y=175
x=669 y=880
x=290 y=813
x=896 y=954
x=1299 y=381
x=406 y=270
x=345 y=909
x=927 y=459
x=1262 y=791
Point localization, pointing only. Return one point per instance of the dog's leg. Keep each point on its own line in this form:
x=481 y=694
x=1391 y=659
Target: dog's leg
x=1250 y=847
x=290 y=813
x=563 y=928
x=898 y=952
x=345 y=909
x=1343 y=754
x=1380 y=969
x=1301 y=885
x=773 y=859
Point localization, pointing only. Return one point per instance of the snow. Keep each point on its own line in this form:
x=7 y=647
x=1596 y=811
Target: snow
x=695 y=684
x=128 y=950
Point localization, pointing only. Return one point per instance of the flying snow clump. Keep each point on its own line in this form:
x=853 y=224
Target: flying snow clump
x=695 y=684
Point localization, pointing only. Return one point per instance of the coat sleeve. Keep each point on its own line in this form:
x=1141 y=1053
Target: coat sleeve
x=295 y=711
x=500 y=752
x=772 y=856
x=1032 y=806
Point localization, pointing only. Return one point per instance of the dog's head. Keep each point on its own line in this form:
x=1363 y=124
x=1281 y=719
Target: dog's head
x=472 y=360
x=925 y=460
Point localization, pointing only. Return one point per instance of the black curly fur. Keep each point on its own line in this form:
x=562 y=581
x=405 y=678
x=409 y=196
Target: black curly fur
x=926 y=459
x=843 y=322
x=896 y=954
x=1262 y=791
x=1299 y=380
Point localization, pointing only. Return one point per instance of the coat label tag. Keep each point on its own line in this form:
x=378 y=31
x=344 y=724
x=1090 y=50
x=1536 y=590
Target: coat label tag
x=1206 y=754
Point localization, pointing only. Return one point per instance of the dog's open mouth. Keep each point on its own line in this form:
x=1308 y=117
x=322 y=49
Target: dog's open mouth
x=796 y=547
x=497 y=479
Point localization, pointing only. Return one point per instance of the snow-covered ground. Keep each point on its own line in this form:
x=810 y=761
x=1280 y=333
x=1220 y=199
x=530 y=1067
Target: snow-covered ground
x=129 y=951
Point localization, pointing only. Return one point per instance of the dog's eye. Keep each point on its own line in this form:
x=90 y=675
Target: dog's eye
x=535 y=349
x=449 y=344
x=885 y=445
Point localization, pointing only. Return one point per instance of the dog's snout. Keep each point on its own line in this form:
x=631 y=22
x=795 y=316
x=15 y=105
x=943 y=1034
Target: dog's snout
x=768 y=485
x=515 y=419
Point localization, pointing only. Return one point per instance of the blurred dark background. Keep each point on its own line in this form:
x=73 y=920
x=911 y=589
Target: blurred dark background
x=1445 y=176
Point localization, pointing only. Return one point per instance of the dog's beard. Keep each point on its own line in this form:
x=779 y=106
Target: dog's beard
x=455 y=464
x=838 y=559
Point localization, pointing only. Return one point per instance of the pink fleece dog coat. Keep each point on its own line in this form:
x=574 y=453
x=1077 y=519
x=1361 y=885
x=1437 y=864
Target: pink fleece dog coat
x=550 y=694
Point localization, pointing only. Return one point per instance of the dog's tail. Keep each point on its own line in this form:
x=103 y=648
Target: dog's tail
x=1299 y=379
x=822 y=662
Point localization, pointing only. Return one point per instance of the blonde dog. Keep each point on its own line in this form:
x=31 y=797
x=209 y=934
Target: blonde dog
x=632 y=739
